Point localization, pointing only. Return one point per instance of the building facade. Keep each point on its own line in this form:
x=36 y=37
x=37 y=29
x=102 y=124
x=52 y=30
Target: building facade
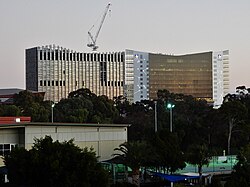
x=134 y=74
x=102 y=138
x=58 y=71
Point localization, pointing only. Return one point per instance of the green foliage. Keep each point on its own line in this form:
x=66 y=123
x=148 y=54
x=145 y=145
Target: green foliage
x=33 y=106
x=9 y=110
x=132 y=154
x=241 y=175
x=51 y=163
x=167 y=151
x=84 y=106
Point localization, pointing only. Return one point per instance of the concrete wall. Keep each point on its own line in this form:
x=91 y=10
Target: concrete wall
x=102 y=139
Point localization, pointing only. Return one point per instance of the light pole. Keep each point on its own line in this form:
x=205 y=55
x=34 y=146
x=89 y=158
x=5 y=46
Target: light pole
x=170 y=107
x=52 y=112
x=155 y=102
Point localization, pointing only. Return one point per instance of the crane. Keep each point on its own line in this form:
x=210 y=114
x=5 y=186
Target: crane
x=93 y=39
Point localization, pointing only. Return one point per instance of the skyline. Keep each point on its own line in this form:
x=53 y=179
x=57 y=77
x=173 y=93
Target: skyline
x=167 y=27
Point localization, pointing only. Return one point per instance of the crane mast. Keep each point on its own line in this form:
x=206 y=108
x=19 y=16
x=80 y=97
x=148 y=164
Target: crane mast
x=92 y=44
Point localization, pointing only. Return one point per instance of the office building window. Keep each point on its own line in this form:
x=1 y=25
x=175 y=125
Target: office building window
x=52 y=83
x=41 y=55
x=60 y=83
x=56 y=83
x=52 y=55
x=64 y=83
x=56 y=54
x=48 y=83
x=41 y=83
x=44 y=83
x=49 y=55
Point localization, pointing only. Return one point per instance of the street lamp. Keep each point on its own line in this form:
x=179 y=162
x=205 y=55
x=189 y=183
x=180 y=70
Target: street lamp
x=52 y=112
x=155 y=102
x=170 y=107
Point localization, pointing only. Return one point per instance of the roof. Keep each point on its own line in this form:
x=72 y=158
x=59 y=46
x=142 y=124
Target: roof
x=17 y=125
x=10 y=91
x=174 y=178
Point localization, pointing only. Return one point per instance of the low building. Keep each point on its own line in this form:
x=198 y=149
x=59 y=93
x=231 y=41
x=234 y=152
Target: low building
x=104 y=138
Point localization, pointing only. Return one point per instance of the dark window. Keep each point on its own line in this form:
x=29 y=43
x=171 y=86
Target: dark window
x=101 y=57
x=41 y=83
x=67 y=56
x=52 y=83
x=82 y=83
x=88 y=57
x=64 y=72
x=41 y=55
x=95 y=57
x=101 y=83
x=48 y=83
x=121 y=83
x=44 y=83
x=77 y=56
x=56 y=54
x=60 y=83
x=108 y=57
x=115 y=57
x=122 y=57
x=118 y=83
x=63 y=55
x=112 y=57
x=108 y=83
x=80 y=56
x=91 y=57
x=56 y=83
x=84 y=56
x=52 y=55
x=115 y=83
x=76 y=83
x=49 y=55
x=64 y=83
x=112 y=83
x=70 y=57
x=60 y=55
x=74 y=57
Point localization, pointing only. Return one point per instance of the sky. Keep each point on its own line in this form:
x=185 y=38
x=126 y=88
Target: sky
x=157 y=26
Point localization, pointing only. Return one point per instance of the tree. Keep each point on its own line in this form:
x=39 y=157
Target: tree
x=84 y=106
x=198 y=155
x=234 y=113
x=9 y=110
x=132 y=154
x=51 y=163
x=241 y=174
x=167 y=151
x=33 y=106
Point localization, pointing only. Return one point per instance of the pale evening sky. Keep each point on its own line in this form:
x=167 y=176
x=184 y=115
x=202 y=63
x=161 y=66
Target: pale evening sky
x=158 y=26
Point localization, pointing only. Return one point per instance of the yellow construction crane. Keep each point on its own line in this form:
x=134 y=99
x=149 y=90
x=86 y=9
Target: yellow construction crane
x=93 y=39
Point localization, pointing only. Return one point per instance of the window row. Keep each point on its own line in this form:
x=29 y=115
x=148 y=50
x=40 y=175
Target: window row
x=5 y=149
x=112 y=83
x=62 y=55
x=56 y=83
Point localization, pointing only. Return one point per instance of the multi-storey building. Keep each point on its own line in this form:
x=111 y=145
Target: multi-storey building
x=137 y=75
x=58 y=71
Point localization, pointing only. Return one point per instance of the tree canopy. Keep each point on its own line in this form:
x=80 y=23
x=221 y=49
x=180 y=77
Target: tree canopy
x=51 y=163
